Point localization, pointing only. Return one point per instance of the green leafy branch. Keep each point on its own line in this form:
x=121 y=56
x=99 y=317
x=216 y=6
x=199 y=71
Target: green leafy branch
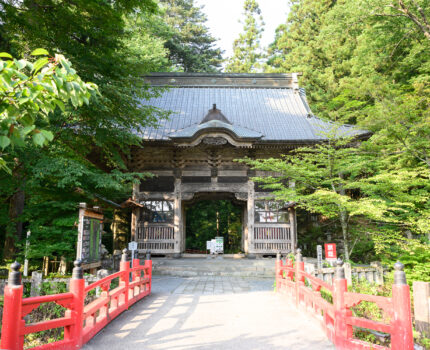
x=30 y=91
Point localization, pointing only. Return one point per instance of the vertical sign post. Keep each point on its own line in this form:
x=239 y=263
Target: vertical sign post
x=319 y=257
x=27 y=247
x=330 y=252
x=132 y=246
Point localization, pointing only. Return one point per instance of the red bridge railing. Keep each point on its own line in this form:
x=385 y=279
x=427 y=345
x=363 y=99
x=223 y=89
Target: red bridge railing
x=337 y=318
x=81 y=322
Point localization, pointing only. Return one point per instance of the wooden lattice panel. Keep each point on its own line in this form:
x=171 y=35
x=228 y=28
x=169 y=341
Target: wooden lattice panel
x=272 y=239
x=271 y=248
x=156 y=238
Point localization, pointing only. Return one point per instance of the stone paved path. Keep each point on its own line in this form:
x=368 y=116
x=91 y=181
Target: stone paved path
x=211 y=312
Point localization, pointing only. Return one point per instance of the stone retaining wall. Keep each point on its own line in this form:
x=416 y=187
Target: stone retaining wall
x=373 y=273
x=36 y=280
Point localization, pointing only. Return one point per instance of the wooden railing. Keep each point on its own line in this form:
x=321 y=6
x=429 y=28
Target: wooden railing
x=336 y=317
x=81 y=322
x=272 y=238
x=158 y=238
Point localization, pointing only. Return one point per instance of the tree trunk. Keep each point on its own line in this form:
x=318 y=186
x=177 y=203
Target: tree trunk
x=344 y=224
x=343 y=216
x=228 y=238
x=15 y=228
x=217 y=223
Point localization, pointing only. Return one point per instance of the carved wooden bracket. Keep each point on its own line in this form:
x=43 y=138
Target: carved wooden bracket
x=214 y=141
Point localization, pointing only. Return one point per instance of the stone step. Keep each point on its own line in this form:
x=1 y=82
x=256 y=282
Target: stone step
x=192 y=267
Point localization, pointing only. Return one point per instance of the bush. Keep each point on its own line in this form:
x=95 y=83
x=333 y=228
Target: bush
x=373 y=312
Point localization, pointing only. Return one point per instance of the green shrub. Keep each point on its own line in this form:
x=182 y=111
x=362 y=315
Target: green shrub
x=46 y=311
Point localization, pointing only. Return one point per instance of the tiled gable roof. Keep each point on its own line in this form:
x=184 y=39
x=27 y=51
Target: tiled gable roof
x=278 y=113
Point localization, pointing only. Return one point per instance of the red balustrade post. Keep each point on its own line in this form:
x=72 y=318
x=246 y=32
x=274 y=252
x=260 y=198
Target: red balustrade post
x=136 y=263
x=289 y=263
x=77 y=288
x=342 y=331
x=149 y=262
x=402 y=336
x=278 y=271
x=300 y=279
x=11 y=324
x=125 y=276
x=290 y=276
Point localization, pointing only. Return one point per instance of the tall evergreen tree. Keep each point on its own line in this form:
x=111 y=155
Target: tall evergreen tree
x=247 y=51
x=367 y=62
x=191 y=46
x=296 y=49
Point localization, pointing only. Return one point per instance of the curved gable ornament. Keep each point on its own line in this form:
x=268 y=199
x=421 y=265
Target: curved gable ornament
x=215 y=130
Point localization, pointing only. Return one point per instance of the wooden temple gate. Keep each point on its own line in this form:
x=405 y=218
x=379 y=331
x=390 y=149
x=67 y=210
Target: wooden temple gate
x=217 y=119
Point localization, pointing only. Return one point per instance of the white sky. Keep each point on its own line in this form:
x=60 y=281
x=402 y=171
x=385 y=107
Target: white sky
x=224 y=15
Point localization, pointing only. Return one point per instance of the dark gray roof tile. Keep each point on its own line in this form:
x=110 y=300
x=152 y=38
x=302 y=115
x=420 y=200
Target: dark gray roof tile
x=280 y=114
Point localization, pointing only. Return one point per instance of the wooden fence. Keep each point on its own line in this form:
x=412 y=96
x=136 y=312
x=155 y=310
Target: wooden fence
x=336 y=317
x=81 y=322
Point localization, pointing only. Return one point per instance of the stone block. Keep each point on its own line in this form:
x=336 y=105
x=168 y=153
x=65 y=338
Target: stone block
x=422 y=307
x=36 y=281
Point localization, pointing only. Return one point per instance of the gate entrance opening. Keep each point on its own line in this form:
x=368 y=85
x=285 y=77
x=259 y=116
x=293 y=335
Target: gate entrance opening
x=207 y=219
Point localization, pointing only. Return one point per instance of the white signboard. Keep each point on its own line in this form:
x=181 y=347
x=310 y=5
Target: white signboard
x=132 y=245
x=216 y=246
x=219 y=245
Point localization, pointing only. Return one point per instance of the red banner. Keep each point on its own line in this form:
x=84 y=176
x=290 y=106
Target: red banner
x=330 y=251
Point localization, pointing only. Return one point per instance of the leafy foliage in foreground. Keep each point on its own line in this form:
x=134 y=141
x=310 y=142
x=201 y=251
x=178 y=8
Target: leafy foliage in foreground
x=30 y=92
x=111 y=45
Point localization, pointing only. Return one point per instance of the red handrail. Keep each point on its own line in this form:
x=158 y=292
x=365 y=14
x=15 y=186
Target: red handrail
x=336 y=318
x=81 y=322
x=103 y=281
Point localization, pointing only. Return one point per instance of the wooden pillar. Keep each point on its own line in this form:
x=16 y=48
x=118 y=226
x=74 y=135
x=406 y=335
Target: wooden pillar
x=245 y=229
x=134 y=214
x=183 y=227
x=177 y=218
x=119 y=227
x=45 y=266
x=293 y=228
x=249 y=243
